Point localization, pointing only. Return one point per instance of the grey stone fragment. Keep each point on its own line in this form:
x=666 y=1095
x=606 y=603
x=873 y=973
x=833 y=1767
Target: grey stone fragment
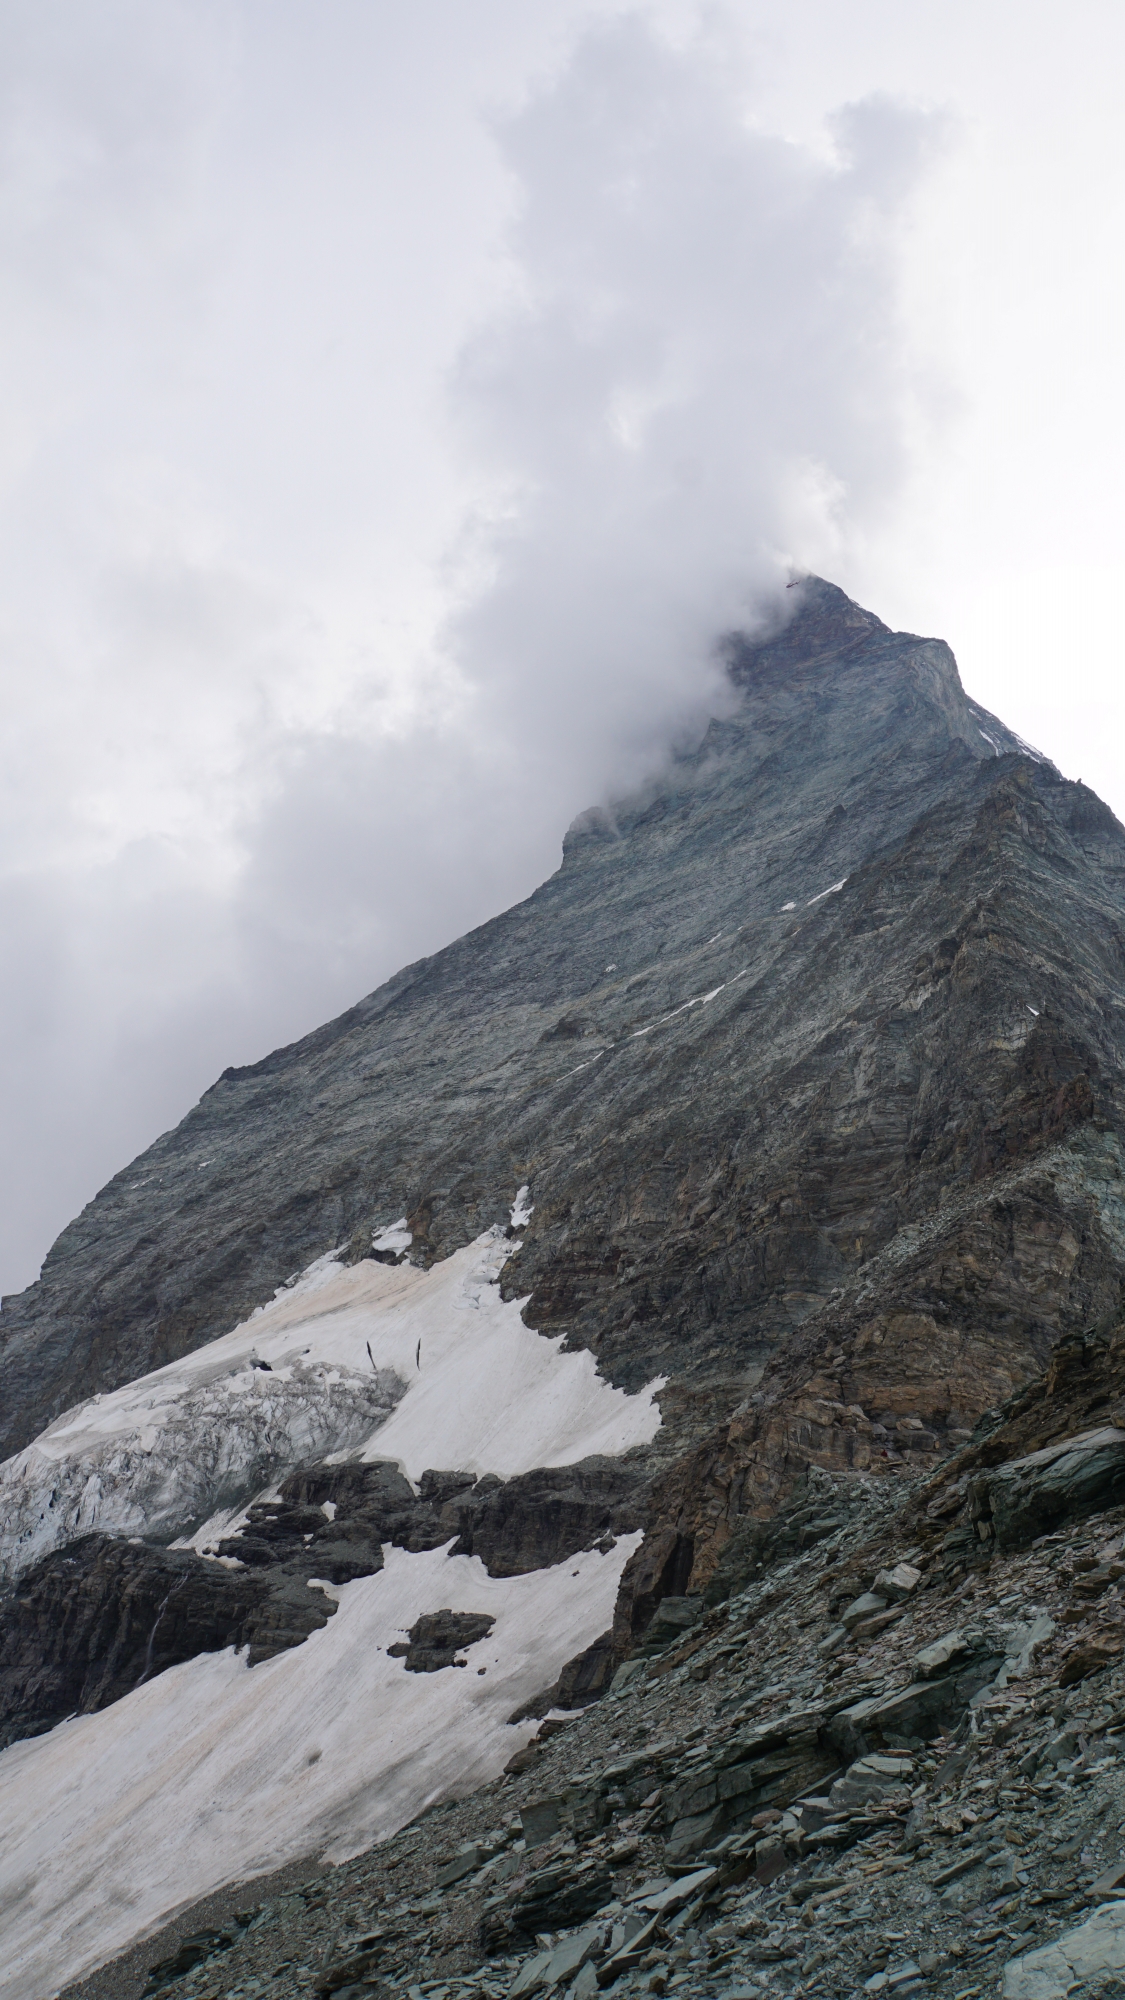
x=1029 y=1496
x=690 y=1836
x=465 y=1862
x=886 y=1768
x=672 y=1618
x=633 y=1949
x=663 y=1901
x=897 y=1583
x=1004 y=1869
x=942 y=1653
x=954 y=1869
x=541 y=1820
x=863 y=1606
x=1091 y=1951
x=629 y=1670
x=570 y=1956
x=833 y=1642
x=586 y=1984
x=530 y=1976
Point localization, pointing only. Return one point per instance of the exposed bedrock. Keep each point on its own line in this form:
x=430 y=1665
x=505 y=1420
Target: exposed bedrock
x=513 y=1525
x=88 y=1623
x=842 y=968
x=812 y=1058
x=92 y=1621
x=438 y=1638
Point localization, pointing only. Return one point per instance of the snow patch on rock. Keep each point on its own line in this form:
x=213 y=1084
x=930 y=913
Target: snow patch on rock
x=214 y=1772
x=396 y=1236
x=319 y=1370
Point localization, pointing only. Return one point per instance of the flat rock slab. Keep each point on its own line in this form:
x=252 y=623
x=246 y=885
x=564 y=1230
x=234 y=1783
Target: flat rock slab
x=1095 y=1948
x=1029 y=1496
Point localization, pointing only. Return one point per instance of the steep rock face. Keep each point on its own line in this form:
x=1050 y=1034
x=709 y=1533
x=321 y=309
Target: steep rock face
x=99 y=1618
x=805 y=1074
x=811 y=1054
x=726 y=1085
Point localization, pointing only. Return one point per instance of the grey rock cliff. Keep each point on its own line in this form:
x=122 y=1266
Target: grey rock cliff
x=702 y=1182
x=811 y=1056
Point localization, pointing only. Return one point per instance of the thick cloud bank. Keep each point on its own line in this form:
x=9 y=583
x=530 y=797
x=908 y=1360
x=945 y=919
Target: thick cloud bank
x=301 y=686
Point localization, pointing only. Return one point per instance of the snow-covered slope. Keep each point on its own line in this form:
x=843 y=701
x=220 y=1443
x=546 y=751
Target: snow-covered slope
x=431 y=1368
x=214 y=1771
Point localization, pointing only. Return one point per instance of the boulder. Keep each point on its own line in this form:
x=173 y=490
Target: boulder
x=1090 y=1953
x=435 y=1639
x=690 y=1836
x=465 y=1862
x=530 y=1977
x=1090 y=1658
x=672 y=1618
x=1082 y=1475
x=568 y=1958
x=628 y=1955
x=897 y=1583
x=864 y=1606
x=664 y=1900
x=921 y=1710
x=561 y=1894
x=541 y=1821
x=943 y=1653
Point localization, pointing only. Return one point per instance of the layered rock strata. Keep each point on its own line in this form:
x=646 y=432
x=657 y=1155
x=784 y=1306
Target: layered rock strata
x=855 y=958
x=797 y=1788
x=811 y=1060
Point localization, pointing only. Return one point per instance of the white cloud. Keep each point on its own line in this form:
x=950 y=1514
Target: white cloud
x=305 y=676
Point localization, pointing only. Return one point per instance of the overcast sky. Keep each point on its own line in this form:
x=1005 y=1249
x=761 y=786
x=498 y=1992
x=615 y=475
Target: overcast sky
x=397 y=402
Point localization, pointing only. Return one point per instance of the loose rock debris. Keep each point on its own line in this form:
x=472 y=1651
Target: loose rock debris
x=800 y=1795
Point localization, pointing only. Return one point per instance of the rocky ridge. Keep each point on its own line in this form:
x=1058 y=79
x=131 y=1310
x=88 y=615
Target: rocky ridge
x=812 y=1057
x=859 y=899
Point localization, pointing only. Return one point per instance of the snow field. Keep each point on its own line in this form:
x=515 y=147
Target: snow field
x=211 y=1772
x=214 y=1772
x=430 y=1368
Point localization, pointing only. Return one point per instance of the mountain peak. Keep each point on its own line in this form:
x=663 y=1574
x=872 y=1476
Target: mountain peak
x=816 y=623
x=678 y=1213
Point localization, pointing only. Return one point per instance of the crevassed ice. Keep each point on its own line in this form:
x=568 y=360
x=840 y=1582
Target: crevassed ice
x=372 y=1361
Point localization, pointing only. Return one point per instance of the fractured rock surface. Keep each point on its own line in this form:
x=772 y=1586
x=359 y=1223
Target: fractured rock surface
x=435 y=1640
x=921 y=1811
x=844 y=984
x=806 y=1067
x=93 y=1620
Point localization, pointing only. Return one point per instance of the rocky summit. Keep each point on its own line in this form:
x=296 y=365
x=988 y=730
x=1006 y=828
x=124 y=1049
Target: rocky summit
x=603 y=1469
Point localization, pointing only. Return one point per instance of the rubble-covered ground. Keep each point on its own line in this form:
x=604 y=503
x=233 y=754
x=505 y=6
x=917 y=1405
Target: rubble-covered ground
x=889 y=1764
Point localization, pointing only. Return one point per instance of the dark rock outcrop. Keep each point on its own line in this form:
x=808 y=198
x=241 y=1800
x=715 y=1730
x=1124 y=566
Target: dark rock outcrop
x=95 y=1620
x=435 y=1639
x=779 y=1074
x=513 y=1525
x=540 y=1518
x=91 y=1621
